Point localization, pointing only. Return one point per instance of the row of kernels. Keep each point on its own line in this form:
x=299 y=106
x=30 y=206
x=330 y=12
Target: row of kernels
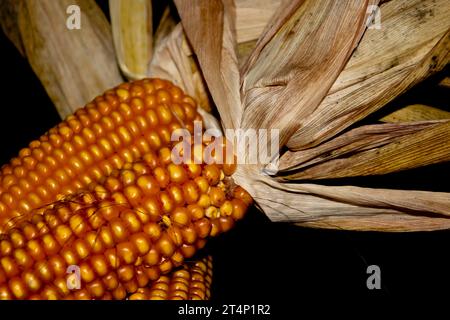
x=191 y=282
x=89 y=124
x=109 y=223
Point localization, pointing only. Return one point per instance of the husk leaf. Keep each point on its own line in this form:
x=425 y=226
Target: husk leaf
x=131 y=22
x=173 y=59
x=422 y=146
x=412 y=44
x=281 y=56
x=416 y=112
x=73 y=65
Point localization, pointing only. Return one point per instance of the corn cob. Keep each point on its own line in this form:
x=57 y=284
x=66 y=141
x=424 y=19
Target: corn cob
x=167 y=209
x=117 y=127
x=191 y=282
x=126 y=230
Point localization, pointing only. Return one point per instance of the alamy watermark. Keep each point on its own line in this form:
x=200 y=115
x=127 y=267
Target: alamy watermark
x=73 y=21
x=73 y=279
x=374 y=280
x=238 y=146
x=374 y=17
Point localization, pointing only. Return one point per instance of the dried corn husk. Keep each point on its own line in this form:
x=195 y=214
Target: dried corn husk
x=416 y=112
x=73 y=65
x=425 y=144
x=213 y=40
x=424 y=24
x=404 y=153
x=251 y=19
x=445 y=82
x=380 y=160
x=361 y=139
x=9 y=10
x=131 y=22
x=173 y=59
x=284 y=82
x=308 y=55
x=412 y=44
x=385 y=222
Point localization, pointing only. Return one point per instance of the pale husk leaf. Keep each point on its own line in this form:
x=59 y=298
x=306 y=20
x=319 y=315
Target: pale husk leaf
x=426 y=146
x=73 y=65
x=210 y=28
x=252 y=17
x=173 y=59
x=412 y=44
x=416 y=112
x=299 y=202
x=356 y=140
x=347 y=207
x=342 y=107
x=9 y=11
x=445 y=82
x=380 y=222
x=309 y=51
x=131 y=22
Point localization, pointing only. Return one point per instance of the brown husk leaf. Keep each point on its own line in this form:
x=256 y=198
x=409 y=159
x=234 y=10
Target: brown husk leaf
x=131 y=22
x=73 y=65
x=298 y=79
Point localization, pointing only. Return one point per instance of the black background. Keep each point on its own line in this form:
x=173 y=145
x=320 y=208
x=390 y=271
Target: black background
x=260 y=261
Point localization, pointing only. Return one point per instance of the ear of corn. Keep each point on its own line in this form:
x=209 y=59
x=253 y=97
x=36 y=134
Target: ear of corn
x=120 y=126
x=191 y=282
x=122 y=233
x=141 y=218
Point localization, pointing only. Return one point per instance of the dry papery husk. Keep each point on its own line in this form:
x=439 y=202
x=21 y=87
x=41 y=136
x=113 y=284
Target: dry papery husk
x=131 y=22
x=416 y=112
x=304 y=77
x=308 y=68
x=173 y=59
